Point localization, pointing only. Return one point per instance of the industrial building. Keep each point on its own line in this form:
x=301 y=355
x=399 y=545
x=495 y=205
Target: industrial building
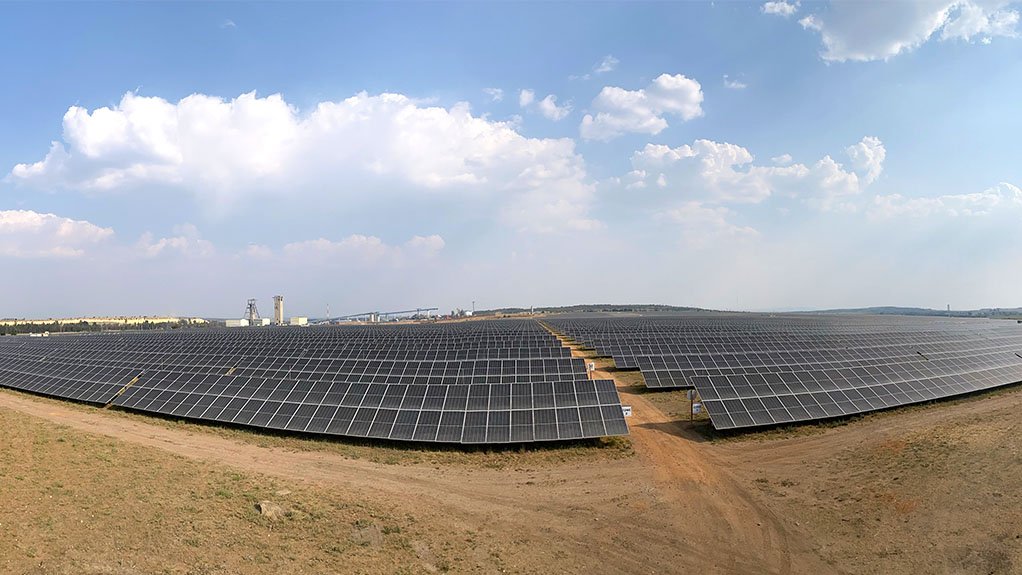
x=278 y=310
x=252 y=318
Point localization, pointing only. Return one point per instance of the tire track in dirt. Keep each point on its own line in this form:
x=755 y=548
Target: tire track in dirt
x=711 y=506
x=567 y=511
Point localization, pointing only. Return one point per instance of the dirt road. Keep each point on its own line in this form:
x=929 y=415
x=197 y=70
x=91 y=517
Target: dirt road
x=605 y=518
x=710 y=507
x=664 y=511
x=810 y=502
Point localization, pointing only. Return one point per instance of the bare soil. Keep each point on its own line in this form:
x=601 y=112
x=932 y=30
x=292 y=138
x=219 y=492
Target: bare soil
x=931 y=489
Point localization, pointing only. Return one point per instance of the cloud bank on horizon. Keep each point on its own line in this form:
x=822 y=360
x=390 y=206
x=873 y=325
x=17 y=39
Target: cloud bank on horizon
x=804 y=179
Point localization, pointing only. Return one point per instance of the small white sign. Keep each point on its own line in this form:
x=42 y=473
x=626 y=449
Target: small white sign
x=697 y=407
x=627 y=410
x=691 y=394
x=592 y=366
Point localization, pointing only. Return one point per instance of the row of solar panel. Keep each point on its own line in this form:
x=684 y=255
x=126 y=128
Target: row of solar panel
x=811 y=380
x=681 y=366
x=470 y=413
x=823 y=351
x=348 y=391
x=564 y=365
x=256 y=355
x=442 y=397
x=95 y=390
x=780 y=406
x=317 y=339
x=447 y=373
x=433 y=354
x=810 y=369
x=964 y=341
x=452 y=376
x=689 y=366
x=660 y=376
x=431 y=426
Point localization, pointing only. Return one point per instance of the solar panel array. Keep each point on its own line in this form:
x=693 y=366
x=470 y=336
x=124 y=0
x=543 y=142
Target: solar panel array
x=477 y=382
x=753 y=370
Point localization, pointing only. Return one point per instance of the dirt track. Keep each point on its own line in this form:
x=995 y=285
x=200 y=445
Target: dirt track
x=756 y=505
x=736 y=532
x=604 y=517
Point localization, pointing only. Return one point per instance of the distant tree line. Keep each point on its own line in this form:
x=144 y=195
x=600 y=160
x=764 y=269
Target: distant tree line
x=52 y=327
x=84 y=326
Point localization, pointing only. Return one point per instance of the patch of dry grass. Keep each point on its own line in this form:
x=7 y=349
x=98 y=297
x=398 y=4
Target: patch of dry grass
x=84 y=504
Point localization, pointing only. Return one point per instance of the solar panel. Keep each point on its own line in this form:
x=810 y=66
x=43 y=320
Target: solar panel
x=476 y=413
x=478 y=382
x=753 y=370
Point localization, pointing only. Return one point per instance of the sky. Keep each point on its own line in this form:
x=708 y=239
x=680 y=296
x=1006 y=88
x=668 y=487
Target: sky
x=160 y=158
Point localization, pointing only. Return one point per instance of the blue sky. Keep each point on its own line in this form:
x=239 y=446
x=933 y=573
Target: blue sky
x=181 y=158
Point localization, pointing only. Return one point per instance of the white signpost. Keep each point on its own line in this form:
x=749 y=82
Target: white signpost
x=626 y=410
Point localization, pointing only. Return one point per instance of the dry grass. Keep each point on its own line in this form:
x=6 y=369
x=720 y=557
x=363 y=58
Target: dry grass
x=83 y=504
x=926 y=498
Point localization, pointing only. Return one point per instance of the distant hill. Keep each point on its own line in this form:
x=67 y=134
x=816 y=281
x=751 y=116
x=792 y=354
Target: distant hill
x=997 y=313
x=1001 y=313
x=594 y=308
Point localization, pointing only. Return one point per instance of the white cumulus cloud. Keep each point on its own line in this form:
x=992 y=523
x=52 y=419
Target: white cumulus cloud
x=495 y=94
x=363 y=249
x=969 y=20
x=551 y=111
x=721 y=172
x=257 y=251
x=608 y=64
x=617 y=111
x=427 y=244
x=780 y=8
x=1000 y=197
x=222 y=152
x=701 y=224
x=28 y=234
x=868 y=158
x=187 y=242
x=547 y=107
x=732 y=84
x=865 y=31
